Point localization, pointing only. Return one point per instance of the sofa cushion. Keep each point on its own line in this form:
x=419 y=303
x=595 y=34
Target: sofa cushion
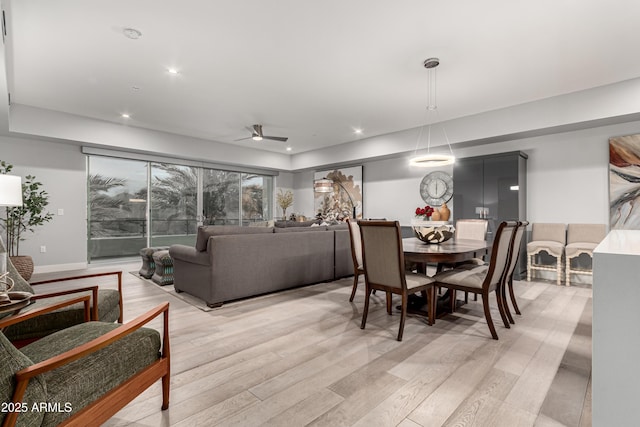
x=204 y=232
x=299 y=229
x=100 y=371
x=12 y=361
x=287 y=224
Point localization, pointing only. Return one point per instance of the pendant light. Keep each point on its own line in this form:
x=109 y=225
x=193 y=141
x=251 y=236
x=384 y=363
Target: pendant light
x=432 y=159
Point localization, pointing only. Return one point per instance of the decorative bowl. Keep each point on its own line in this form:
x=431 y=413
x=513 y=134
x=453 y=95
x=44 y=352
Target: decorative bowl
x=436 y=233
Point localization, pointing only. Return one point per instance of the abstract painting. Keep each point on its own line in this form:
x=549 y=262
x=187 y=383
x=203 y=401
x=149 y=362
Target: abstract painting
x=339 y=203
x=624 y=182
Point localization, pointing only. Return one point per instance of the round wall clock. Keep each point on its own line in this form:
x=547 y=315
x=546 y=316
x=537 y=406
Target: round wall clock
x=436 y=188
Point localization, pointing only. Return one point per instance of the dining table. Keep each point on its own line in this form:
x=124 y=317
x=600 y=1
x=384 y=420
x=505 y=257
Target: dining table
x=447 y=252
x=442 y=254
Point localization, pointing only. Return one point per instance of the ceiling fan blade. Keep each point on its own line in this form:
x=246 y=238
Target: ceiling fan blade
x=242 y=139
x=276 y=138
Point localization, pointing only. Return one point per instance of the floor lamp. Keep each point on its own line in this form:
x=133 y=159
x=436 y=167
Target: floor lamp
x=10 y=195
x=325 y=185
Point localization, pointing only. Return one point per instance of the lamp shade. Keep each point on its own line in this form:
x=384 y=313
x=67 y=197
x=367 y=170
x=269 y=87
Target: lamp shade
x=323 y=185
x=10 y=190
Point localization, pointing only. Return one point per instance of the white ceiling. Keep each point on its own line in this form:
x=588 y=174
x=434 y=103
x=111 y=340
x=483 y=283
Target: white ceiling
x=312 y=71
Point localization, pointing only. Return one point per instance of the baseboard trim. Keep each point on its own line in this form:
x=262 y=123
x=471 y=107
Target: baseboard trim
x=59 y=267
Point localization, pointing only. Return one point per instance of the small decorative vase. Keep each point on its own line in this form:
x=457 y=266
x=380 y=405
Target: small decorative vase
x=445 y=213
x=24 y=265
x=435 y=216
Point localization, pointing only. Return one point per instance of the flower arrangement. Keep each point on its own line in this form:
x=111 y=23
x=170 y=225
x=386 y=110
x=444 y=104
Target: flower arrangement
x=424 y=213
x=284 y=201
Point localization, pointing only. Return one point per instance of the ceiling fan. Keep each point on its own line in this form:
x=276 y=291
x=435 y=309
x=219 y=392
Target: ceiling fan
x=257 y=135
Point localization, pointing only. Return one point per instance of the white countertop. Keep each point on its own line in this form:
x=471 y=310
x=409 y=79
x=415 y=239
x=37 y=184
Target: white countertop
x=621 y=242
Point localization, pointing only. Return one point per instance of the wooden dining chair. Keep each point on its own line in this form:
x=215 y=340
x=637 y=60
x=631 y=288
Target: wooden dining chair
x=469 y=229
x=508 y=277
x=384 y=269
x=487 y=278
x=356 y=255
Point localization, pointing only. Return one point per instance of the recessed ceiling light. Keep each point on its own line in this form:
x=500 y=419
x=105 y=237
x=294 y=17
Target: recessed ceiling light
x=172 y=71
x=289 y=148
x=357 y=131
x=125 y=116
x=132 y=33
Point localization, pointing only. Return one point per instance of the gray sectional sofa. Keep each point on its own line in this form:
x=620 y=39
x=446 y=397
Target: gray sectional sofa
x=231 y=262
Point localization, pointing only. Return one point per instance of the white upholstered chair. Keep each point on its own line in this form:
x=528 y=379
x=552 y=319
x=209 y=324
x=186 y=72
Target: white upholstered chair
x=581 y=239
x=473 y=229
x=549 y=238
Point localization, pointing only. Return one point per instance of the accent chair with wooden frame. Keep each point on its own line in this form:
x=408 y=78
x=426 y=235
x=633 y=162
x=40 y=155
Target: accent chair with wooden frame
x=85 y=373
x=550 y=238
x=108 y=308
x=485 y=279
x=384 y=269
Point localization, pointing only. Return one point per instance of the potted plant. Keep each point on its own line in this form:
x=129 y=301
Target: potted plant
x=20 y=220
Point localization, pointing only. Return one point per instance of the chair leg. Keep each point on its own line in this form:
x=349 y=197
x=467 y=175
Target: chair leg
x=529 y=267
x=366 y=308
x=403 y=315
x=466 y=297
x=431 y=302
x=512 y=295
x=567 y=272
x=559 y=271
x=487 y=315
x=166 y=381
x=356 y=276
x=502 y=309
x=389 y=303
x=452 y=294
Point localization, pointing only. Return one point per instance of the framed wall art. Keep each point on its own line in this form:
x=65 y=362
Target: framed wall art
x=624 y=182
x=338 y=193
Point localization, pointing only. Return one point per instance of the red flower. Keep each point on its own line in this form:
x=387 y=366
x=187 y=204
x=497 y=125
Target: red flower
x=426 y=211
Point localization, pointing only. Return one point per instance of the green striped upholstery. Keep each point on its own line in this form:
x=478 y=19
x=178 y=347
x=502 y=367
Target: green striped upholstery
x=12 y=361
x=85 y=380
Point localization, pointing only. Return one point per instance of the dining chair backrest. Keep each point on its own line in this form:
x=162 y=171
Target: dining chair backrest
x=473 y=229
x=356 y=244
x=382 y=254
x=500 y=254
x=517 y=241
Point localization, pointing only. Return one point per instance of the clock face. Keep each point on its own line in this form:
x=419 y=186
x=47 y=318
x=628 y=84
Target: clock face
x=436 y=188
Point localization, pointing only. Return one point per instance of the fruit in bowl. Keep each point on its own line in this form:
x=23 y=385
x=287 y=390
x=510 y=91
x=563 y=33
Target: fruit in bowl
x=433 y=233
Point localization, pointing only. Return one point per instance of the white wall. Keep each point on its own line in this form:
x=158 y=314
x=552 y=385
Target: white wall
x=61 y=168
x=567 y=178
x=567 y=182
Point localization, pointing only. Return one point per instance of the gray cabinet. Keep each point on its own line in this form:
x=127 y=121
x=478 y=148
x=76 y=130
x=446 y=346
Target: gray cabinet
x=492 y=187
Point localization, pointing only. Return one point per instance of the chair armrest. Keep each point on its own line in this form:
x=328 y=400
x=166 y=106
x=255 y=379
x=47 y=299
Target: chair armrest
x=23 y=376
x=92 y=289
x=87 y=276
x=17 y=318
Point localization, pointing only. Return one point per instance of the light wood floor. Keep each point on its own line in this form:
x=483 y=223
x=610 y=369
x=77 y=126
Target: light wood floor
x=299 y=358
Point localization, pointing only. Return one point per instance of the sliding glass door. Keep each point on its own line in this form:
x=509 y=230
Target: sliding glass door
x=117 y=207
x=135 y=204
x=174 y=203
